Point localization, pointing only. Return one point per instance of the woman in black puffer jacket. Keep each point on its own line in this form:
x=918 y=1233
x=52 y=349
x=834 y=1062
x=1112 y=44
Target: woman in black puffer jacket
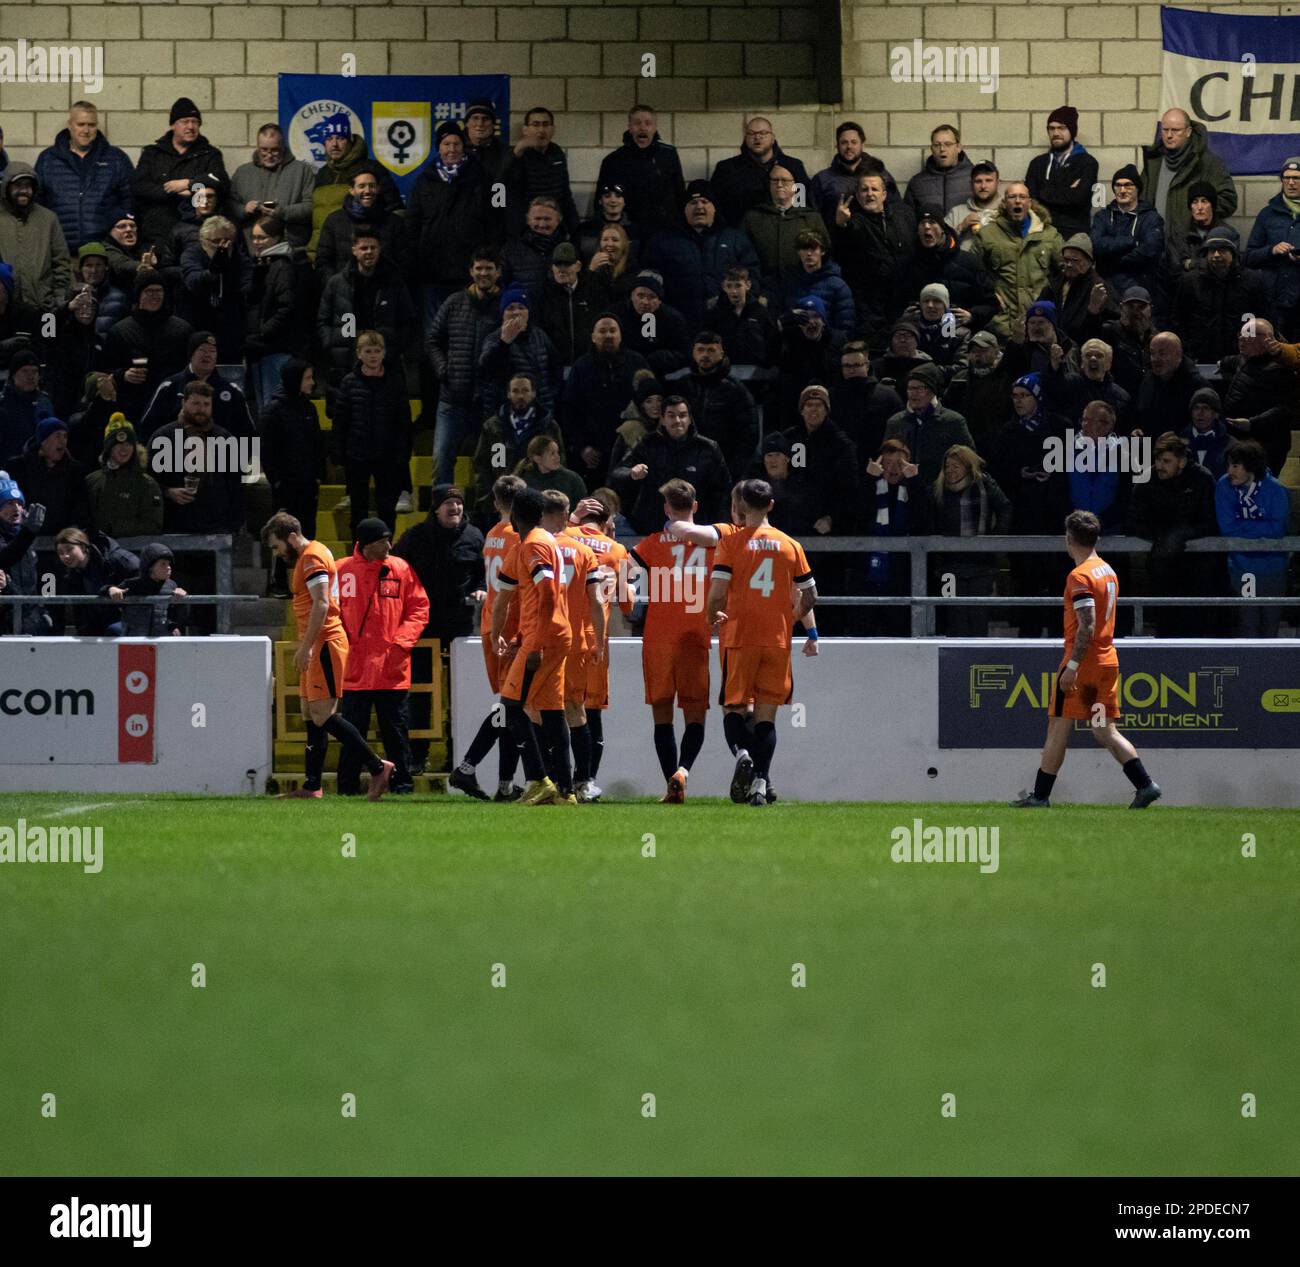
x=371 y=431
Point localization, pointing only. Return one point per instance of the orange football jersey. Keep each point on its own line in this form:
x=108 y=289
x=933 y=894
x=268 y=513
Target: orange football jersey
x=1093 y=584
x=533 y=570
x=676 y=589
x=578 y=571
x=762 y=565
x=316 y=560
x=496 y=547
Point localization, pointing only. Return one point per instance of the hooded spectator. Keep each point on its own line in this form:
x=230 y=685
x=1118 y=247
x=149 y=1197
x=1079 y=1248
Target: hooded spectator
x=293 y=453
x=1062 y=179
x=743 y=182
x=83 y=179
x=648 y=171
x=91 y=275
x=695 y=254
x=1181 y=157
x=123 y=499
x=52 y=477
x=275 y=182
x=152 y=620
x=91 y=564
x=32 y=241
x=945 y=179
x=168 y=169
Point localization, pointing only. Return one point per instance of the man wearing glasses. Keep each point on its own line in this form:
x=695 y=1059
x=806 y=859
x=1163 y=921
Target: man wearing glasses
x=945 y=180
x=1179 y=159
x=741 y=183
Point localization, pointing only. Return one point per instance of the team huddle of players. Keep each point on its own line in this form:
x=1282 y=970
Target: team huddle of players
x=552 y=578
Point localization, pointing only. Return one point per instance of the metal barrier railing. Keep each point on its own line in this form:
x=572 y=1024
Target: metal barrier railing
x=920 y=549
x=218 y=545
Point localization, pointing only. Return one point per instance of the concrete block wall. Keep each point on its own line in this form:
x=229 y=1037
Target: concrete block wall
x=717 y=62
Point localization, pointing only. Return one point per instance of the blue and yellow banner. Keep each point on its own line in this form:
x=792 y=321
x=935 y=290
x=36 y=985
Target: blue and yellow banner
x=397 y=114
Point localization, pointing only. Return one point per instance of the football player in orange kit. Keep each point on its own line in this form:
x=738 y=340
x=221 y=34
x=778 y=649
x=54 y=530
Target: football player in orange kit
x=322 y=655
x=581 y=576
x=592 y=523
x=677 y=635
x=754 y=573
x=496 y=547
x=534 y=678
x=1087 y=681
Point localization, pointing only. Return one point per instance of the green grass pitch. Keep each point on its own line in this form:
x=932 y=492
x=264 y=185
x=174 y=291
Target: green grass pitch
x=628 y=975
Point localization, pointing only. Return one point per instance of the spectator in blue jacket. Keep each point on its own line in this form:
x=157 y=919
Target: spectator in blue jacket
x=1102 y=488
x=1274 y=247
x=84 y=180
x=820 y=276
x=693 y=257
x=1128 y=235
x=1249 y=502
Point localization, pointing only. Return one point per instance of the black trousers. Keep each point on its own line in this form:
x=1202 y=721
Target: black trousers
x=391 y=707
x=390 y=478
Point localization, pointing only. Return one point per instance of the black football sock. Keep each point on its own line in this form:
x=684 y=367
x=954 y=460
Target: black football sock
x=544 y=747
x=596 y=724
x=507 y=757
x=557 y=732
x=692 y=742
x=580 y=738
x=736 y=732
x=749 y=728
x=764 y=748
x=350 y=737
x=525 y=742
x=666 y=748
x=1136 y=773
x=483 y=741
x=1043 y=784
x=318 y=743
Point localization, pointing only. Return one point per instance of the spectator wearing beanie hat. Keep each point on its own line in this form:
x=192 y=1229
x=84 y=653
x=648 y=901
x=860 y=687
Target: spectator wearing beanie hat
x=1212 y=303
x=927 y=427
x=1128 y=235
x=1062 y=179
x=483 y=141
x=91 y=269
x=20 y=525
x=1183 y=248
x=124 y=500
x=1206 y=433
x=1180 y=157
x=51 y=476
x=828 y=462
x=31 y=240
x=229 y=404
x=640 y=417
x=666 y=342
x=448 y=215
x=518 y=346
x=22 y=403
x=695 y=253
x=168 y=169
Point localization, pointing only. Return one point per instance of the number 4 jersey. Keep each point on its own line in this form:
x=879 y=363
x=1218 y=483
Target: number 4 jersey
x=765 y=567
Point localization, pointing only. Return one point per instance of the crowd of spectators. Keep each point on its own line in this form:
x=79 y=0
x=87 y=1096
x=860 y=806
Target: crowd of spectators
x=897 y=358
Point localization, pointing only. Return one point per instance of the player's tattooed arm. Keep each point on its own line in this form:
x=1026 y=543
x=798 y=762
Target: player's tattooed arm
x=1082 y=638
